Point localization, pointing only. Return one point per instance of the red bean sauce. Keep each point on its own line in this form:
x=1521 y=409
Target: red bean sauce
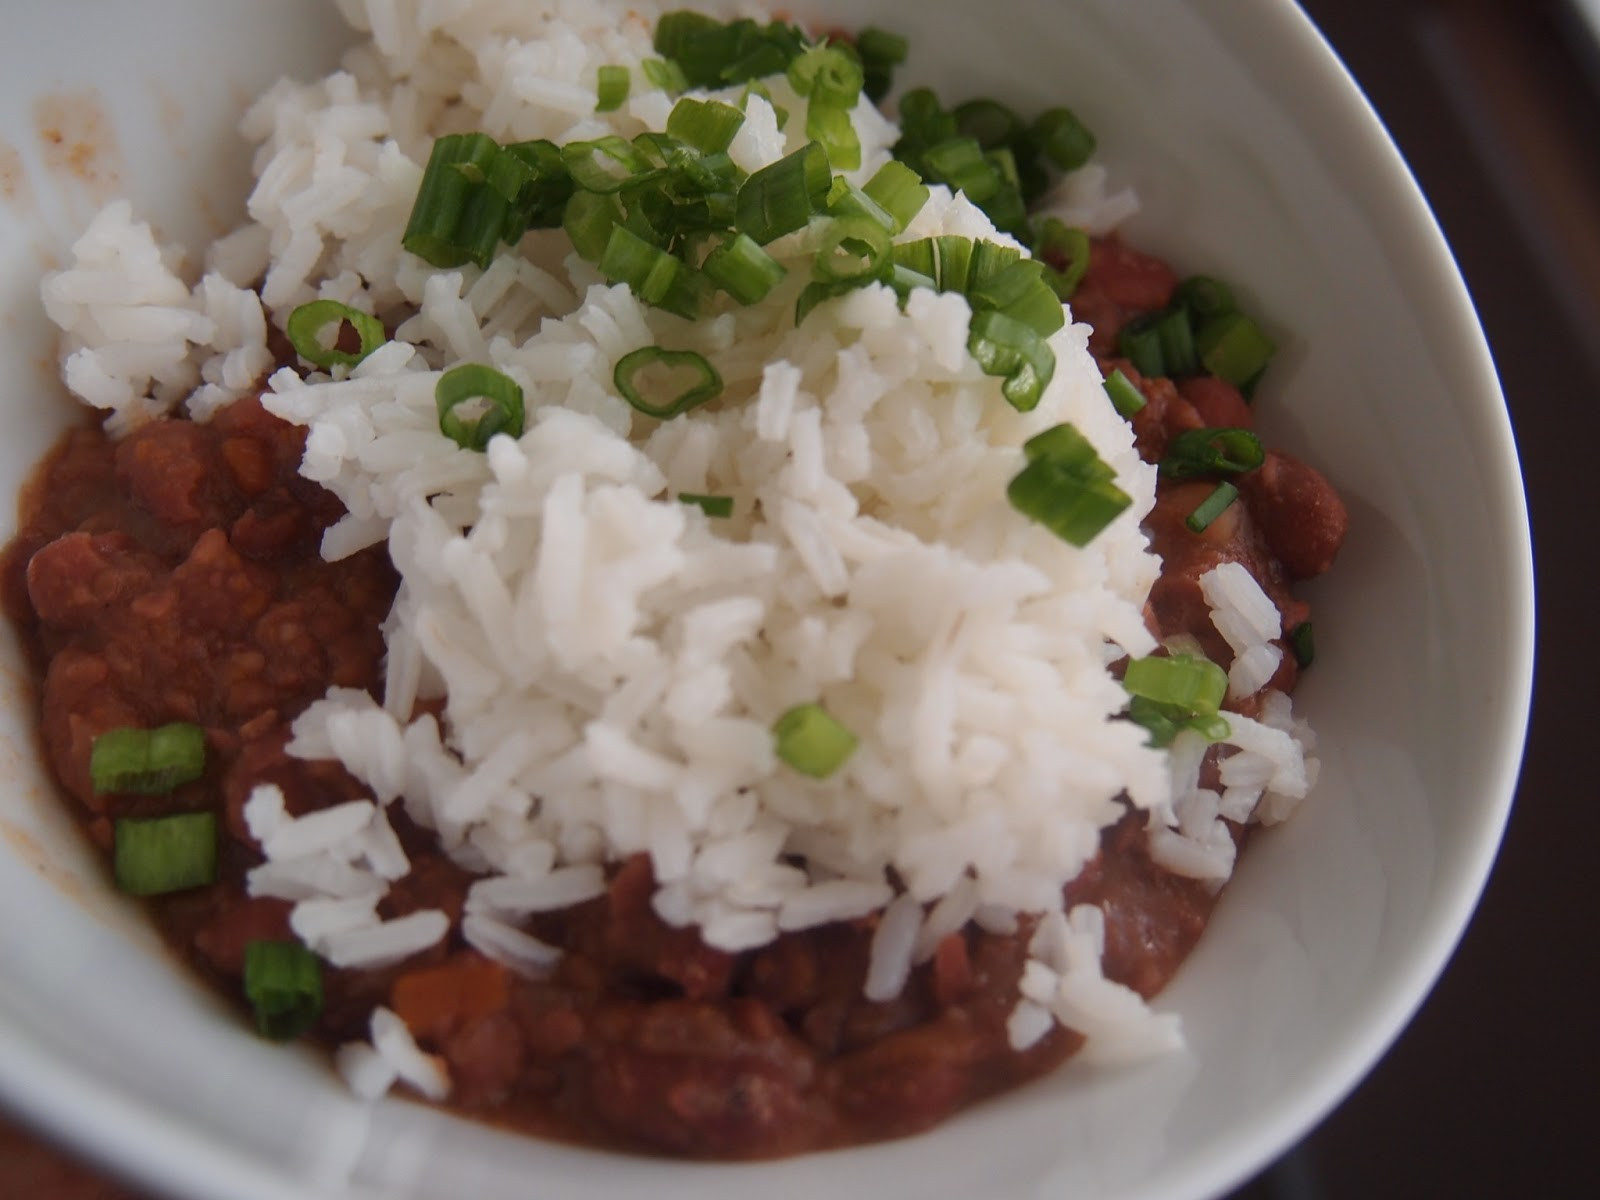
x=174 y=575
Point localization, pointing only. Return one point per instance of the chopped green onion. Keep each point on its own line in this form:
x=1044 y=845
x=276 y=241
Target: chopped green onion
x=1006 y=347
x=955 y=256
x=147 y=762
x=457 y=218
x=1212 y=507
x=1019 y=291
x=852 y=249
x=706 y=382
x=880 y=53
x=712 y=506
x=1125 y=397
x=743 y=269
x=665 y=74
x=1233 y=347
x=828 y=75
x=993 y=124
x=1065 y=254
x=1073 y=506
x=1140 y=343
x=1204 y=296
x=845 y=199
x=1177 y=343
x=1164 y=722
x=961 y=163
x=782 y=196
x=811 y=741
x=308 y=323
x=283 y=982
x=648 y=270
x=1066 y=447
x=474 y=382
x=819 y=290
x=1303 y=643
x=1209 y=451
x=714 y=54
x=589 y=220
x=899 y=191
x=831 y=126
x=1186 y=681
x=156 y=855
x=706 y=124
x=605 y=164
x=542 y=198
x=1062 y=138
x=612 y=86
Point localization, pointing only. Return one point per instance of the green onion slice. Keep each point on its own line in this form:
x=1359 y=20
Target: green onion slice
x=457 y=218
x=743 y=269
x=1212 y=507
x=1125 y=397
x=831 y=126
x=152 y=856
x=605 y=164
x=829 y=75
x=1303 y=642
x=665 y=74
x=1177 y=343
x=611 y=87
x=1006 y=347
x=1204 y=296
x=852 y=249
x=1067 y=448
x=1164 y=722
x=993 y=124
x=899 y=191
x=708 y=125
x=308 y=323
x=881 y=53
x=1233 y=347
x=473 y=383
x=808 y=739
x=1140 y=343
x=1062 y=138
x=1196 y=452
x=1073 y=506
x=1065 y=252
x=147 y=762
x=782 y=196
x=1185 y=681
x=705 y=383
x=283 y=982
x=712 y=506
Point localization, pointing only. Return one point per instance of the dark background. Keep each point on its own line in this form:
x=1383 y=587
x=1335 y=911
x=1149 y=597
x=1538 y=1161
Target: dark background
x=1494 y=1089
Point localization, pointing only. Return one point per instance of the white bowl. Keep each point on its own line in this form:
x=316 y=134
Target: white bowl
x=1258 y=160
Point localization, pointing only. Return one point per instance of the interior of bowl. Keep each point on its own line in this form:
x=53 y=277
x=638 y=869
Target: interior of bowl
x=1256 y=160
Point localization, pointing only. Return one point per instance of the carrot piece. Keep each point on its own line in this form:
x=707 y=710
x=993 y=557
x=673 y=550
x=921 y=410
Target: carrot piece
x=435 y=1001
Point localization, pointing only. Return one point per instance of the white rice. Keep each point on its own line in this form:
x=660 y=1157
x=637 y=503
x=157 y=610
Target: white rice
x=611 y=661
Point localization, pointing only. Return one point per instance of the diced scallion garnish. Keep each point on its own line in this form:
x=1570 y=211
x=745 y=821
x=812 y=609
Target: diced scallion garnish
x=808 y=739
x=712 y=506
x=1233 y=347
x=1066 y=486
x=152 y=856
x=611 y=88
x=1196 y=452
x=782 y=196
x=307 y=330
x=1061 y=244
x=881 y=53
x=897 y=190
x=743 y=269
x=1012 y=350
x=283 y=983
x=1183 y=691
x=1125 y=397
x=1212 y=507
x=147 y=762
x=498 y=398
x=1302 y=641
x=666 y=370
x=707 y=125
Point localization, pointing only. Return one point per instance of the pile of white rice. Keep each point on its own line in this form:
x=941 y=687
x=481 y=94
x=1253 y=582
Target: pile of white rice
x=612 y=660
